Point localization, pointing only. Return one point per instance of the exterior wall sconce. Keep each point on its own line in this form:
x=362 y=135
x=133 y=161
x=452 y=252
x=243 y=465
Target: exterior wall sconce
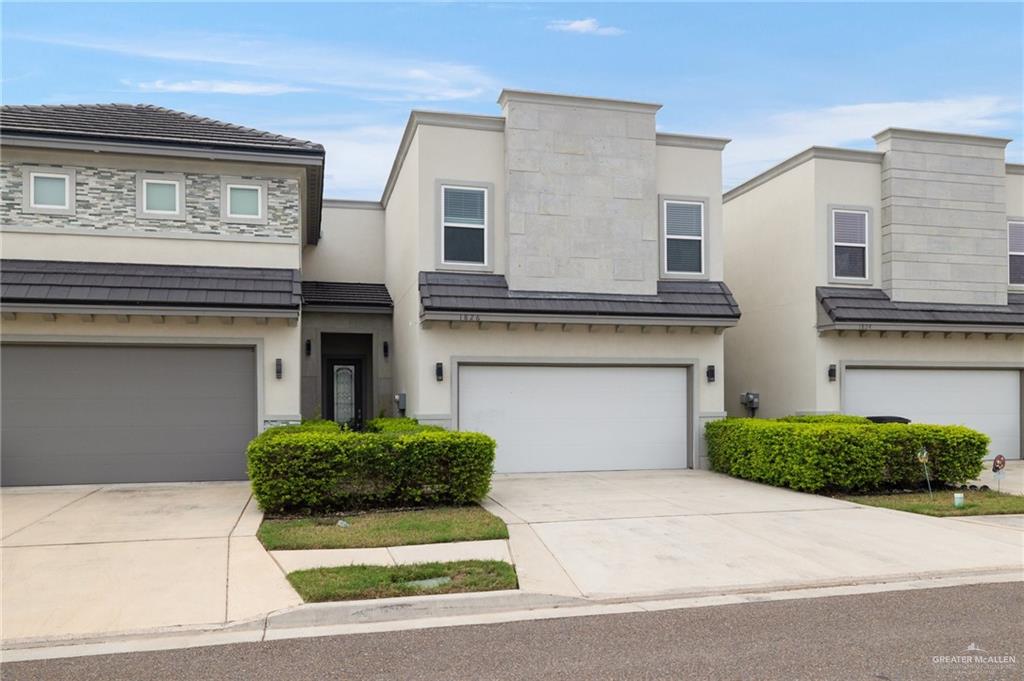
x=309 y=347
x=385 y=349
x=439 y=371
x=278 y=367
x=831 y=373
x=710 y=373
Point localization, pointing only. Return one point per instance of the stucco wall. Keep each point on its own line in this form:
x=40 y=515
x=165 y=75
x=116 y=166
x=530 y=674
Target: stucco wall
x=278 y=399
x=351 y=246
x=1015 y=195
x=771 y=260
x=846 y=184
x=696 y=174
x=106 y=196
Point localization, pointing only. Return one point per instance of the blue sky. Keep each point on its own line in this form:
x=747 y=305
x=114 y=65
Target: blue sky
x=776 y=78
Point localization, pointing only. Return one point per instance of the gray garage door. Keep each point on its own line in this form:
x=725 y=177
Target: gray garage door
x=96 y=414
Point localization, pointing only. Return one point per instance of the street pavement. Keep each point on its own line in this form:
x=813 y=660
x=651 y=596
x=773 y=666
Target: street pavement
x=965 y=632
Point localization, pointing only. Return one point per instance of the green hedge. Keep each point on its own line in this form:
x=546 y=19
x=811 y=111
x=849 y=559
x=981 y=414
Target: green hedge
x=316 y=469
x=396 y=425
x=827 y=418
x=843 y=457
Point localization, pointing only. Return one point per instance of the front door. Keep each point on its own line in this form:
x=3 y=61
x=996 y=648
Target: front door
x=344 y=392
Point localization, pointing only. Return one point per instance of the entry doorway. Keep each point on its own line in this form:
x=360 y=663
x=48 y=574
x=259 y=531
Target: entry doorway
x=346 y=371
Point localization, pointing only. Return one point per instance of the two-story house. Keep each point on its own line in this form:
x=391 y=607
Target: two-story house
x=556 y=275
x=551 y=276
x=883 y=283
x=150 y=291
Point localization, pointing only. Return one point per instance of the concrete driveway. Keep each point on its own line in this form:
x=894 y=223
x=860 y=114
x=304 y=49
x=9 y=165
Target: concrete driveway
x=640 y=534
x=94 y=559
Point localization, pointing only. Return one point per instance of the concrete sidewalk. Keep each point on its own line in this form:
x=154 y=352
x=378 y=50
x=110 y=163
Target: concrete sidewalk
x=92 y=559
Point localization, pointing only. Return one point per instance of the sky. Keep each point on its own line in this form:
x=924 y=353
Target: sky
x=775 y=78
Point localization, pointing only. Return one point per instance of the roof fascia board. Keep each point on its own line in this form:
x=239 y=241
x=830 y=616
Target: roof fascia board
x=933 y=136
x=923 y=328
x=671 y=139
x=348 y=309
x=1015 y=168
x=827 y=153
x=440 y=119
x=353 y=204
x=306 y=158
x=555 y=318
x=115 y=309
x=576 y=100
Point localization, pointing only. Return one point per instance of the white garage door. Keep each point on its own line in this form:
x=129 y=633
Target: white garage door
x=585 y=418
x=986 y=400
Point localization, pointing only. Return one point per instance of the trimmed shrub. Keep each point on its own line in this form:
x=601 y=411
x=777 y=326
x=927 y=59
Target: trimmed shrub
x=316 y=470
x=396 y=425
x=843 y=457
x=827 y=418
x=307 y=425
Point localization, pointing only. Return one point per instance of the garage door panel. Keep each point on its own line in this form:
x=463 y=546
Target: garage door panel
x=80 y=414
x=548 y=418
x=985 y=400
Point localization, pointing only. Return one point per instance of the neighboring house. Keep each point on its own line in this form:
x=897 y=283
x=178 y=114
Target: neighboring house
x=887 y=282
x=556 y=275
x=150 y=291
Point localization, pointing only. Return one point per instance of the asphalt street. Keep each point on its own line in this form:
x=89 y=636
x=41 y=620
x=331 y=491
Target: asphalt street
x=967 y=632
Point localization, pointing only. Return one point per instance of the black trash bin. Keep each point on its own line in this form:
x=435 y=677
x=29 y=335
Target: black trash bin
x=888 y=419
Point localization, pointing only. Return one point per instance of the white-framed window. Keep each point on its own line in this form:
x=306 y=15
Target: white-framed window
x=50 y=191
x=464 y=225
x=849 y=244
x=1015 y=236
x=683 y=235
x=161 y=197
x=245 y=201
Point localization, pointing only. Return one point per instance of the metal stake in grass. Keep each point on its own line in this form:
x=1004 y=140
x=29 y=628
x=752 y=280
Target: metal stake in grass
x=922 y=456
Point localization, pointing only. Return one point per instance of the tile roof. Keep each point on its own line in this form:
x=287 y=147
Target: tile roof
x=142 y=123
x=872 y=306
x=122 y=284
x=328 y=293
x=489 y=293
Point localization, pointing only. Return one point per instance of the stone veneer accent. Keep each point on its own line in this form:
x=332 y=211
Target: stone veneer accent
x=105 y=201
x=943 y=221
x=581 y=192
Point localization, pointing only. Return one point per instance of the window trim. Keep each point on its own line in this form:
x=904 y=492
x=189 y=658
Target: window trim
x=226 y=184
x=143 y=178
x=868 y=278
x=663 y=236
x=1019 y=286
x=488 y=227
x=28 y=189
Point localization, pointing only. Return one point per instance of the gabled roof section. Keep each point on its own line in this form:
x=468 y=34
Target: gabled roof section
x=143 y=123
x=125 y=285
x=850 y=307
x=470 y=293
x=344 y=294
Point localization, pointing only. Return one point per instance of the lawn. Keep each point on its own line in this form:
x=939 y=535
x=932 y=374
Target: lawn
x=980 y=502
x=373 y=581
x=384 y=528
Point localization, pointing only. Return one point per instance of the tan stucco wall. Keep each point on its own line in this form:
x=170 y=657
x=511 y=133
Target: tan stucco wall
x=914 y=350
x=277 y=398
x=849 y=185
x=1015 y=196
x=696 y=173
x=351 y=247
x=770 y=265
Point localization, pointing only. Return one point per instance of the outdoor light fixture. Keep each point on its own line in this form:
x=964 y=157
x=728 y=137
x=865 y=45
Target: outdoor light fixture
x=831 y=373
x=710 y=373
x=278 y=367
x=309 y=347
x=439 y=371
x=385 y=348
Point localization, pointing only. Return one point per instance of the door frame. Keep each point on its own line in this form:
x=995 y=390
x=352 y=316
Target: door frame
x=327 y=364
x=689 y=364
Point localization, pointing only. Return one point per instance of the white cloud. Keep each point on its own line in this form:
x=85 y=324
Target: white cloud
x=358 y=158
x=371 y=76
x=589 y=26
x=756 y=147
x=227 y=87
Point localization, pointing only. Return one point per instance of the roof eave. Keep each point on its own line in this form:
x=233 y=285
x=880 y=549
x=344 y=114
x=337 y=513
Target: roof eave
x=585 y=319
x=920 y=327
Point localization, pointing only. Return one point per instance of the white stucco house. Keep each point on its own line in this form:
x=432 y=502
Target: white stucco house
x=552 y=276
x=882 y=282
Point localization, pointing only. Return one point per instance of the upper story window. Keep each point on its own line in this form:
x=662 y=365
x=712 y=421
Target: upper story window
x=161 y=196
x=49 y=190
x=464 y=225
x=683 y=234
x=849 y=244
x=1015 y=230
x=243 y=200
